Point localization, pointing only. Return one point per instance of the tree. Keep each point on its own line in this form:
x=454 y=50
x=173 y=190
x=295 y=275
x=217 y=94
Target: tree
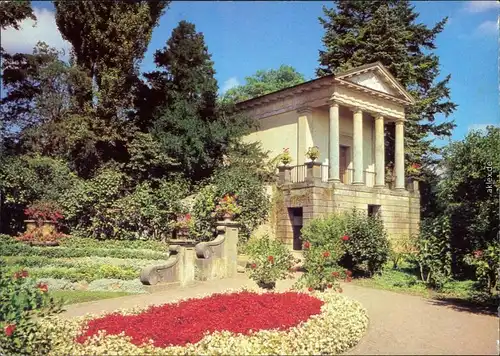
x=265 y=82
x=13 y=12
x=109 y=40
x=358 y=33
x=191 y=127
x=468 y=194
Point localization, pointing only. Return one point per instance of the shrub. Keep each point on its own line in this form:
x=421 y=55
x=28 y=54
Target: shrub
x=323 y=246
x=367 y=247
x=402 y=248
x=22 y=301
x=203 y=208
x=270 y=261
x=434 y=252
x=487 y=266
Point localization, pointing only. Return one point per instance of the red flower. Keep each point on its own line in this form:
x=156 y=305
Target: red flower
x=335 y=274
x=348 y=273
x=307 y=244
x=326 y=254
x=478 y=253
x=42 y=287
x=282 y=311
x=415 y=166
x=24 y=273
x=310 y=289
x=345 y=238
x=9 y=329
x=329 y=285
x=348 y=279
x=340 y=290
x=270 y=259
x=254 y=266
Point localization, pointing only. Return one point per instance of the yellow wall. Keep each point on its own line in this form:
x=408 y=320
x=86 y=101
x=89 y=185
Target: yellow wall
x=281 y=131
x=277 y=132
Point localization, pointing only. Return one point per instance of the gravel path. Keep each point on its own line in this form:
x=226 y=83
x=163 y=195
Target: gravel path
x=399 y=324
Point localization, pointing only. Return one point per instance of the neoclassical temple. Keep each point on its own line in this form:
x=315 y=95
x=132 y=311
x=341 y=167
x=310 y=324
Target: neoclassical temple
x=345 y=116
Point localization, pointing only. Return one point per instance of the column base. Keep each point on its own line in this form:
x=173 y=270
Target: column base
x=334 y=180
x=379 y=186
x=358 y=183
x=399 y=188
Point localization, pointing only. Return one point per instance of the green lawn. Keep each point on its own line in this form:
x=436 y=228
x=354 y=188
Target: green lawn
x=72 y=297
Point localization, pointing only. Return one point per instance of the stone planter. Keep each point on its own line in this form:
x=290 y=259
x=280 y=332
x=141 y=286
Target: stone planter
x=267 y=285
x=227 y=217
x=48 y=227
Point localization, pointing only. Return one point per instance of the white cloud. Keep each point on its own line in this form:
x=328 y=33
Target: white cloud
x=229 y=84
x=488 y=28
x=30 y=32
x=481 y=6
x=478 y=127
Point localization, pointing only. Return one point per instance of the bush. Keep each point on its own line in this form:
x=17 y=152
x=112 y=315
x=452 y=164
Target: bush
x=402 y=248
x=22 y=301
x=203 y=208
x=434 y=252
x=367 y=247
x=487 y=266
x=323 y=246
x=270 y=261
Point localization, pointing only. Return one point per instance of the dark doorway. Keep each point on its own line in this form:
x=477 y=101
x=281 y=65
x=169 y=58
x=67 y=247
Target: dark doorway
x=373 y=210
x=295 y=215
x=343 y=164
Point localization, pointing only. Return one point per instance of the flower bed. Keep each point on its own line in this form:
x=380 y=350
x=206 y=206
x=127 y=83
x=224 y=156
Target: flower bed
x=241 y=323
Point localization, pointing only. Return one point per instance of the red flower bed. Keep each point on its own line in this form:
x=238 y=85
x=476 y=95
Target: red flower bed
x=188 y=321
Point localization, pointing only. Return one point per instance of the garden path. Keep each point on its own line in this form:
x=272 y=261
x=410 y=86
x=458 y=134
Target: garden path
x=399 y=323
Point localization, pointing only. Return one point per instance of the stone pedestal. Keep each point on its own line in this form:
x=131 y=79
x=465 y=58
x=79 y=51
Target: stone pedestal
x=313 y=172
x=285 y=174
x=230 y=248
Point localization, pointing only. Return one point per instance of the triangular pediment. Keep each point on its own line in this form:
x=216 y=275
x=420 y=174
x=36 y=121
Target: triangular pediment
x=376 y=77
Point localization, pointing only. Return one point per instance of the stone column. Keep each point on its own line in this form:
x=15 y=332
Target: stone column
x=379 y=152
x=304 y=133
x=399 y=154
x=334 y=142
x=358 y=146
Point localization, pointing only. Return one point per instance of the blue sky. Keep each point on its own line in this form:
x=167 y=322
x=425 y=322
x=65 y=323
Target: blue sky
x=244 y=37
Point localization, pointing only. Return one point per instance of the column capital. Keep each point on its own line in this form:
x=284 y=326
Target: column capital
x=333 y=103
x=378 y=116
x=399 y=121
x=355 y=109
x=304 y=110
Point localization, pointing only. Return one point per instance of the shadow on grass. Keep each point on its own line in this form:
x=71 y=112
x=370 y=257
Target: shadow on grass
x=468 y=306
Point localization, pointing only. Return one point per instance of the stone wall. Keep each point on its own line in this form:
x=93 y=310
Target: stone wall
x=399 y=209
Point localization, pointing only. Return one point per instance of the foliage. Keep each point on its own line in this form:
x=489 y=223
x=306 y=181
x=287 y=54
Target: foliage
x=402 y=248
x=360 y=32
x=434 y=251
x=339 y=326
x=367 y=248
x=487 y=266
x=228 y=205
x=13 y=12
x=312 y=153
x=270 y=260
x=203 y=208
x=252 y=198
x=264 y=82
x=324 y=242
x=22 y=302
x=26 y=179
x=44 y=211
x=468 y=194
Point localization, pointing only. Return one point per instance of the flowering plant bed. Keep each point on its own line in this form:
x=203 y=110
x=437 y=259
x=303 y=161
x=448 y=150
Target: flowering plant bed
x=235 y=323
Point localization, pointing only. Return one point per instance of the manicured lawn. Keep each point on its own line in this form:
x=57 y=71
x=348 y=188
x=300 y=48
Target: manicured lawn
x=72 y=297
x=405 y=280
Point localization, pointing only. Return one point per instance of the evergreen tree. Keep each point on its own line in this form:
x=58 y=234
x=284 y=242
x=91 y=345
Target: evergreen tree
x=188 y=123
x=359 y=32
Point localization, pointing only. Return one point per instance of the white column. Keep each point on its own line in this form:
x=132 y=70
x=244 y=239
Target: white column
x=358 y=146
x=399 y=154
x=379 y=152
x=304 y=133
x=334 y=142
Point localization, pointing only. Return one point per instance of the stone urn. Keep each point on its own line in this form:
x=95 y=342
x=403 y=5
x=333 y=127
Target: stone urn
x=227 y=217
x=48 y=227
